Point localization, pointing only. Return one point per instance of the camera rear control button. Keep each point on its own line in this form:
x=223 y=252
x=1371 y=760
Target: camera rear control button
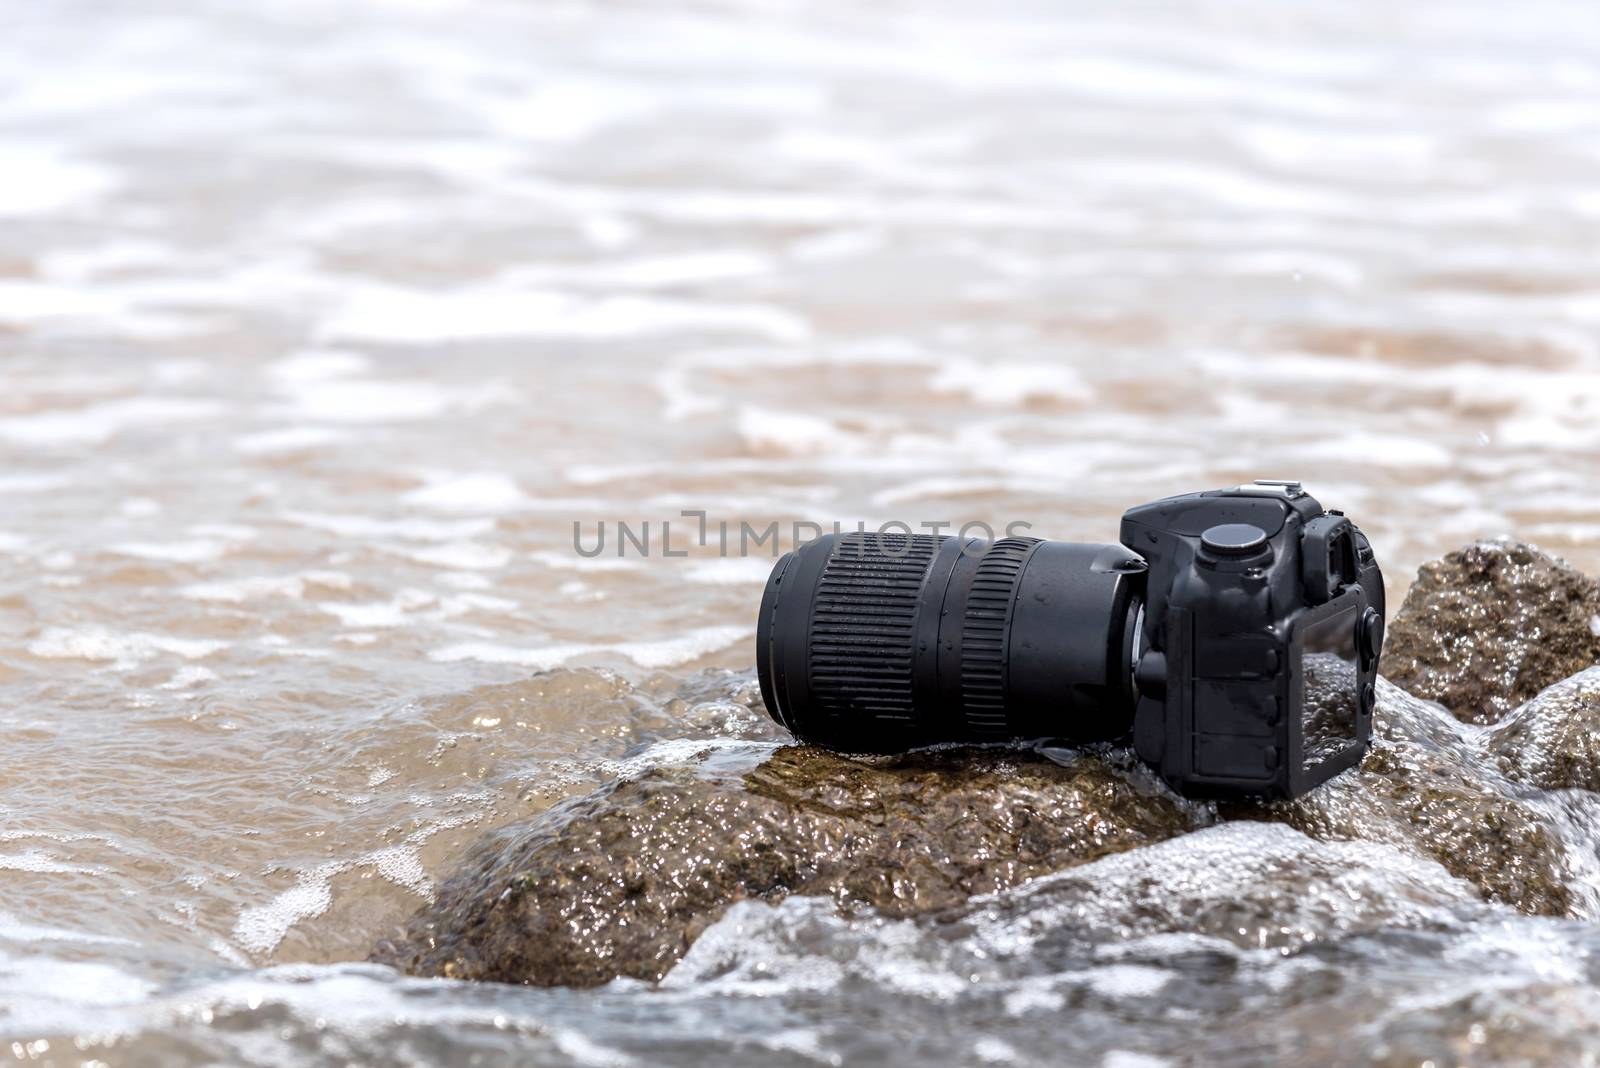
x=1369 y=636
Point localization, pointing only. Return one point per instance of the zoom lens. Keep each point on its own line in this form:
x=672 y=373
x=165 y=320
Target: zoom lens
x=880 y=642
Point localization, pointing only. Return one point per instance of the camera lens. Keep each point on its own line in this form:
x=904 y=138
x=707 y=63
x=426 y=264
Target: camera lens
x=879 y=642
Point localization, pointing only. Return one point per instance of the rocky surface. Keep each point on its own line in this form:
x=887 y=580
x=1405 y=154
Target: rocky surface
x=1491 y=625
x=1553 y=741
x=1440 y=818
x=1255 y=885
x=620 y=882
x=1424 y=785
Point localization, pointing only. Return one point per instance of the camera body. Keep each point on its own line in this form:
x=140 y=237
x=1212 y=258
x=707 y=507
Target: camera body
x=1257 y=663
x=1233 y=634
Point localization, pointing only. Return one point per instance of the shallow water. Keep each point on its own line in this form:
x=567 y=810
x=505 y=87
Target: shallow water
x=322 y=328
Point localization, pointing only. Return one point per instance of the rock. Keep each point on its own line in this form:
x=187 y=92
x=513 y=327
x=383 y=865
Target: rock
x=1248 y=885
x=619 y=883
x=1553 y=741
x=1491 y=625
x=1424 y=785
x=1256 y=885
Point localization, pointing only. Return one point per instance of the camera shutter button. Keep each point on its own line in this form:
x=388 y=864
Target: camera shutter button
x=1233 y=539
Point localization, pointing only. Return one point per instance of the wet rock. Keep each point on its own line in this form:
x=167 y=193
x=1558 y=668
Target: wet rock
x=619 y=883
x=1255 y=885
x=1244 y=886
x=1491 y=625
x=1424 y=785
x=1553 y=741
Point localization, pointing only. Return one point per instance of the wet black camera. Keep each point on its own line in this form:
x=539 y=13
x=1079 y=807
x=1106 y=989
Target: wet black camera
x=1234 y=635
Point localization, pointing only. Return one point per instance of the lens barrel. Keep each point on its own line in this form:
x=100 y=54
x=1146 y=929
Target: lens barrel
x=873 y=642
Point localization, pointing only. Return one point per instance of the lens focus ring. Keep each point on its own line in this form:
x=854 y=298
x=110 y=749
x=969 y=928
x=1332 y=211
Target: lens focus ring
x=862 y=627
x=984 y=632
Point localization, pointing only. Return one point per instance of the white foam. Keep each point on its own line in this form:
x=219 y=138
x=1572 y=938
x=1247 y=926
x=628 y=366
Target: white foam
x=1119 y=981
x=729 y=571
x=239 y=591
x=994 y=1050
x=796 y=433
x=42 y=179
x=235 y=532
x=586 y=1051
x=462 y=603
x=1029 y=997
x=402 y=865
x=669 y=752
x=126 y=649
x=746 y=951
x=571 y=561
x=82 y=263
x=1123 y=1058
x=98 y=423
x=668 y=652
x=567 y=109
x=190 y=551
x=41 y=862
x=380 y=400
x=260 y=928
x=319 y=365
x=1009 y=383
x=54 y=993
x=681 y=397
x=607 y=231
x=189 y=677
x=463 y=556
x=653 y=272
x=540 y=659
x=687 y=647
x=1294 y=145
x=942 y=486
x=288 y=439
x=378 y=615
x=411 y=528
x=1217 y=867
x=1386 y=450
x=31 y=483
x=483 y=491
x=431 y=316
x=16 y=930
x=464 y=580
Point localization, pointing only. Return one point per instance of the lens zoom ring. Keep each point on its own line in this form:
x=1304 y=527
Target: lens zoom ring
x=983 y=636
x=862 y=624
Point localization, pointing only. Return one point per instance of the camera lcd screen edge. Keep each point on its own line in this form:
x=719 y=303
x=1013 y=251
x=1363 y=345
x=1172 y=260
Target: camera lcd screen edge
x=1331 y=681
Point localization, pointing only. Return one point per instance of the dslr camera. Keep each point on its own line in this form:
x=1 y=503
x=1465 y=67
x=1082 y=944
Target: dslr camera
x=1233 y=636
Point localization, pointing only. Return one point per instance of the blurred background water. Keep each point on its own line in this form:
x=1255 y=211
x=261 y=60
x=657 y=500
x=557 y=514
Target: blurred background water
x=321 y=326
